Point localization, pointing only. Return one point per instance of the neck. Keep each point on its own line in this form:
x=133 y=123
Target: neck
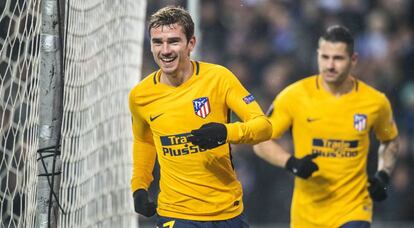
x=179 y=77
x=340 y=88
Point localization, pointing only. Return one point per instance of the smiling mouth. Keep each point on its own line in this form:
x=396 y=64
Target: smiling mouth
x=168 y=59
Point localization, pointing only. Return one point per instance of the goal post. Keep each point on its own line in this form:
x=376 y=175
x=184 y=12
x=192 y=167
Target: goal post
x=102 y=59
x=19 y=113
x=50 y=117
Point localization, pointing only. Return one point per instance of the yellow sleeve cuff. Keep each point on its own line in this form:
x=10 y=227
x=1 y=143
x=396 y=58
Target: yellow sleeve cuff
x=253 y=131
x=234 y=132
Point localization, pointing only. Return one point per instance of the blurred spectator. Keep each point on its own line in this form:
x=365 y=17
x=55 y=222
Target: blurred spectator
x=407 y=114
x=214 y=32
x=276 y=76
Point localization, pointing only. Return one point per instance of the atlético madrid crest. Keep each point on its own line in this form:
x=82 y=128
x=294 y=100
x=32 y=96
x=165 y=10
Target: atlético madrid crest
x=201 y=107
x=360 y=122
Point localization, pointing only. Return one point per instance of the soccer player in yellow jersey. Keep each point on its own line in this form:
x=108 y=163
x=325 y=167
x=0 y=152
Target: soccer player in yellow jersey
x=180 y=114
x=331 y=115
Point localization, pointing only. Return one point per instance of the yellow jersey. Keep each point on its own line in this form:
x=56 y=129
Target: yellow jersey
x=195 y=184
x=337 y=129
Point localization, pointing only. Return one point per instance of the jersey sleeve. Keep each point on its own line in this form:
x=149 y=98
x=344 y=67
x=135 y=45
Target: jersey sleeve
x=384 y=126
x=255 y=126
x=143 y=150
x=280 y=115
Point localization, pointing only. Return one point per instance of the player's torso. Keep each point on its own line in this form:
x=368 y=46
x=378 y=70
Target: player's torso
x=337 y=129
x=334 y=127
x=194 y=182
x=174 y=111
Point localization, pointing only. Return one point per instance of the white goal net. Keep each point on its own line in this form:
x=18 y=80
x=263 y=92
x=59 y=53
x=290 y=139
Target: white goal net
x=102 y=63
x=19 y=60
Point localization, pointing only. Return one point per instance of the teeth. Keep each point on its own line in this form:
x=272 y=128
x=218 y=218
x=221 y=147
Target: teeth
x=168 y=59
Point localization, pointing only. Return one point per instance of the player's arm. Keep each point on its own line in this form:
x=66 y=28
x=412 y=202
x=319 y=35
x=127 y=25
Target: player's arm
x=143 y=158
x=386 y=131
x=144 y=155
x=254 y=128
x=270 y=151
x=387 y=155
x=251 y=131
x=273 y=153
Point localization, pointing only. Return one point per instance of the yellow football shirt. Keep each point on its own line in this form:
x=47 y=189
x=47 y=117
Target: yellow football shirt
x=195 y=184
x=336 y=128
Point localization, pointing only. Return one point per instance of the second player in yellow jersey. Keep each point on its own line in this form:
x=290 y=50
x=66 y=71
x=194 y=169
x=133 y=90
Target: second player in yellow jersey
x=337 y=130
x=331 y=115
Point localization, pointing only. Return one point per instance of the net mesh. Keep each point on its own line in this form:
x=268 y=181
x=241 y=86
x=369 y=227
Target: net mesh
x=19 y=58
x=103 y=62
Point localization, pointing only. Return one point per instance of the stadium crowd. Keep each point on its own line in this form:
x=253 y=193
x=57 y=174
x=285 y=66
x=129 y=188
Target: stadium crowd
x=270 y=44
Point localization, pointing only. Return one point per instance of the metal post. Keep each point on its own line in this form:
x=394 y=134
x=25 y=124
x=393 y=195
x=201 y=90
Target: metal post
x=194 y=9
x=50 y=117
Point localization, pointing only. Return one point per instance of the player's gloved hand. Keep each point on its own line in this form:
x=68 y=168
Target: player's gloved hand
x=142 y=205
x=302 y=167
x=209 y=135
x=378 y=185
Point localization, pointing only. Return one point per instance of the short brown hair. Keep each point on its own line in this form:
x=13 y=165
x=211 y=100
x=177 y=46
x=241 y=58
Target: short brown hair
x=170 y=15
x=339 y=33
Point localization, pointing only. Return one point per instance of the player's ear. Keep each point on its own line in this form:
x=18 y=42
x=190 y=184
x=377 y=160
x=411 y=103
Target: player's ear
x=191 y=44
x=354 y=58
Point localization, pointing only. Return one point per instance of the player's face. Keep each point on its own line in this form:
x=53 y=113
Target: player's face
x=170 y=48
x=334 y=61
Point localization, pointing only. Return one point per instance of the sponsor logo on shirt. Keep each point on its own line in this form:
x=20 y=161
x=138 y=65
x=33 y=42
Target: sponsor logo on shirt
x=335 y=148
x=310 y=119
x=152 y=118
x=178 y=145
x=201 y=107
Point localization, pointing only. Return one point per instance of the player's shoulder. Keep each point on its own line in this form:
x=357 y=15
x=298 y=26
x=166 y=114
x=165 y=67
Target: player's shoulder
x=206 y=68
x=369 y=92
x=300 y=87
x=145 y=84
x=216 y=73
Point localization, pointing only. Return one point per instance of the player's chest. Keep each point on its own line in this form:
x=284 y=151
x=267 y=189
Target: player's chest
x=350 y=117
x=183 y=108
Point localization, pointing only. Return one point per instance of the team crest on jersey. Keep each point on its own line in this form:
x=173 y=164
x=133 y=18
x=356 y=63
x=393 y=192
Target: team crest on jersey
x=360 y=122
x=201 y=107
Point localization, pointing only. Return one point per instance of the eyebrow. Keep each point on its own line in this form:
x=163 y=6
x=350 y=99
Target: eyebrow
x=172 y=39
x=156 y=39
x=333 y=56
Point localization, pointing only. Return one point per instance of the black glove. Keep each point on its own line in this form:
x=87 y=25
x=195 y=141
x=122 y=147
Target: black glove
x=378 y=185
x=209 y=136
x=302 y=167
x=142 y=205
